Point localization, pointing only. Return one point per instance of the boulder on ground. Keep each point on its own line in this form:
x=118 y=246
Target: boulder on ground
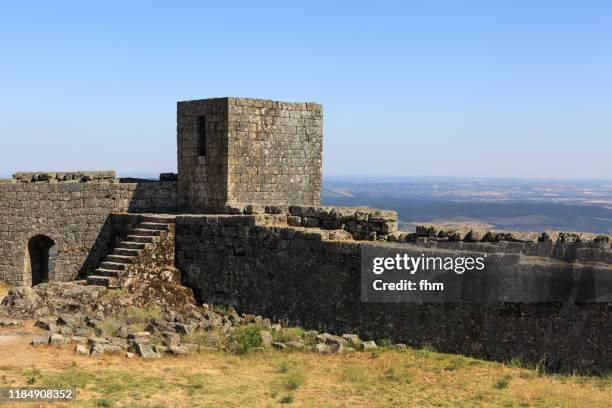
x=146 y=351
x=322 y=338
x=42 y=339
x=294 y=344
x=183 y=328
x=171 y=338
x=368 y=345
x=351 y=339
x=57 y=339
x=310 y=336
x=47 y=323
x=321 y=348
x=82 y=350
x=11 y=323
x=335 y=340
x=99 y=349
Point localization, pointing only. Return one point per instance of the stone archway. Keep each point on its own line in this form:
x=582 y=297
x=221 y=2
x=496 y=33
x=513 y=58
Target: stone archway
x=42 y=252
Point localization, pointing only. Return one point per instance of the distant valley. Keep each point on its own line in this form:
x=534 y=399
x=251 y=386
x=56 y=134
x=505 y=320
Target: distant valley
x=514 y=204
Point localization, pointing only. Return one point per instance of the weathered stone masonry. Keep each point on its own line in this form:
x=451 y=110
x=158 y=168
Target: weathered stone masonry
x=236 y=150
x=250 y=232
x=309 y=277
x=75 y=214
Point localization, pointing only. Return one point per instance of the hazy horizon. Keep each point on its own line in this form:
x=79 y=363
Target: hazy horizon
x=362 y=178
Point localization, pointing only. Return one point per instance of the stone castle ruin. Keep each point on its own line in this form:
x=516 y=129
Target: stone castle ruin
x=243 y=223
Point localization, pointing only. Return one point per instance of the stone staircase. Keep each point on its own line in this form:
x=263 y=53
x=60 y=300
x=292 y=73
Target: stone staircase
x=144 y=236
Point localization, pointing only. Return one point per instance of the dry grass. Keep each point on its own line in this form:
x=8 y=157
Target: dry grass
x=301 y=379
x=4 y=288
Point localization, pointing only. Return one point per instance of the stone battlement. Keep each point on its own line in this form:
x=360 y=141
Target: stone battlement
x=66 y=177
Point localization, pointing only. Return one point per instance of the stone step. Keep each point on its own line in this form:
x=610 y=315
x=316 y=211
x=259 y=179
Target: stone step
x=146 y=232
x=141 y=239
x=154 y=226
x=106 y=272
x=120 y=259
x=127 y=252
x=102 y=281
x=132 y=245
x=114 y=266
x=164 y=219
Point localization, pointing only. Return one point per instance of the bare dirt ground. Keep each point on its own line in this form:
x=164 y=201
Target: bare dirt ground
x=385 y=378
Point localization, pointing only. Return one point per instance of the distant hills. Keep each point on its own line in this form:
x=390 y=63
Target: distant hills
x=522 y=205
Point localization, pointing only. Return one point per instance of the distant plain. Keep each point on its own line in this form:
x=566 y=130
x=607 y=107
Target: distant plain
x=507 y=204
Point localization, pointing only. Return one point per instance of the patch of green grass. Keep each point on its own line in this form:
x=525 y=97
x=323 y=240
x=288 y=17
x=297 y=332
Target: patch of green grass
x=391 y=374
x=136 y=315
x=104 y=403
x=603 y=382
x=385 y=342
x=284 y=367
x=69 y=378
x=110 y=325
x=394 y=375
x=294 y=381
x=455 y=364
x=117 y=293
x=194 y=385
x=248 y=337
x=287 y=399
x=113 y=386
x=540 y=367
x=288 y=334
x=206 y=339
x=427 y=351
x=222 y=309
x=33 y=375
x=514 y=362
x=503 y=382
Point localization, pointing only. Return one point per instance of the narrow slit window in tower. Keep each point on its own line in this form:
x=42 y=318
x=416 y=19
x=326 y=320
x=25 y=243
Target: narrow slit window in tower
x=201 y=135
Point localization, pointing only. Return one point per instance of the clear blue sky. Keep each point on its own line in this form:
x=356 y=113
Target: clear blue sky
x=413 y=88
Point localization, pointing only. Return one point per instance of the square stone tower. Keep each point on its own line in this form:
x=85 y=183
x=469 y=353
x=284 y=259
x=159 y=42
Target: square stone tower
x=238 y=151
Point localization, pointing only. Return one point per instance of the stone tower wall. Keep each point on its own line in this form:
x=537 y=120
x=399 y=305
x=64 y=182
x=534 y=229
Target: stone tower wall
x=256 y=151
x=202 y=179
x=274 y=152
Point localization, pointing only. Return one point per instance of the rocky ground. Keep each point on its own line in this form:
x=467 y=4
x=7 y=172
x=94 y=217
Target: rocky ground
x=152 y=318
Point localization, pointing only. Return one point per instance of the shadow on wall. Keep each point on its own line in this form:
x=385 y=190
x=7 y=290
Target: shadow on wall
x=148 y=196
x=101 y=247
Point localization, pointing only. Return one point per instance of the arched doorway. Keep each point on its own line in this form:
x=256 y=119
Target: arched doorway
x=42 y=251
